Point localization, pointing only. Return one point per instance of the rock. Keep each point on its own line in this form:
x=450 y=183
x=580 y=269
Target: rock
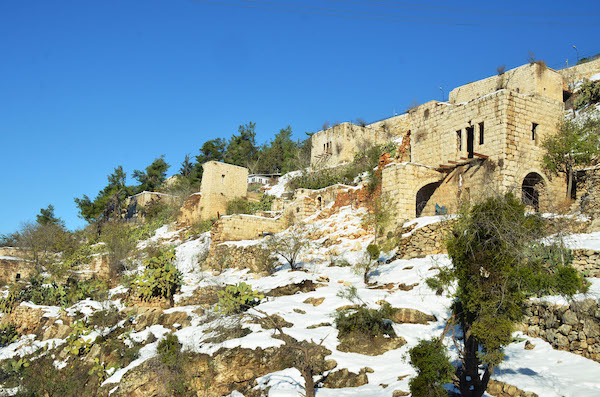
x=591 y=328
x=314 y=301
x=318 y=325
x=570 y=318
x=357 y=342
x=344 y=378
x=564 y=329
x=291 y=289
x=299 y=311
x=410 y=316
x=400 y=393
x=561 y=342
x=406 y=287
x=529 y=345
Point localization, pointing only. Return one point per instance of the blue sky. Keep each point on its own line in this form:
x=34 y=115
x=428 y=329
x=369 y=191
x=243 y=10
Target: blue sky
x=89 y=85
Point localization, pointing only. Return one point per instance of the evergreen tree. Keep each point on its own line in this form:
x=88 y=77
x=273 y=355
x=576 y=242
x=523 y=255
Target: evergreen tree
x=186 y=167
x=575 y=144
x=46 y=216
x=154 y=175
x=241 y=148
x=108 y=201
x=498 y=263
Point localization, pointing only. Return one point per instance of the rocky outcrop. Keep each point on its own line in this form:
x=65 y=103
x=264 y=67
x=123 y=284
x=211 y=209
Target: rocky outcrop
x=501 y=389
x=357 y=342
x=587 y=262
x=344 y=378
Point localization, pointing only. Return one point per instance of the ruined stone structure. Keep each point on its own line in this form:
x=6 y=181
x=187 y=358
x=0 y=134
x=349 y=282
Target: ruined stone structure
x=221 y=183
x=136 y=203
x=340 y=143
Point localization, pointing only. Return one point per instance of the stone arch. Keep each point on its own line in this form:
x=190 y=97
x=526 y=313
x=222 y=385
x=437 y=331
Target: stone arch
x=423 y=194
x=533 y=190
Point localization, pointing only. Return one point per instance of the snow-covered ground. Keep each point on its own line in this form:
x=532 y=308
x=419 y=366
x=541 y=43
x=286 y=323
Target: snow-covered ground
x=543 y=370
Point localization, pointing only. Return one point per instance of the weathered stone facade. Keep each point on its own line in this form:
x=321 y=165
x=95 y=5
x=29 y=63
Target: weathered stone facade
x=579 y=72
x=587 y=262
x=340 y=143
x=244 y=227
x=221 y=183
x=136 y=203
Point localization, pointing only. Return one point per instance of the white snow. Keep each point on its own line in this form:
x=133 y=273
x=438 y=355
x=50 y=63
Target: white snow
x=278 y=189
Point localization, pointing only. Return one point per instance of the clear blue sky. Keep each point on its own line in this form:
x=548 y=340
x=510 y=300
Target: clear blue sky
x=89 y=85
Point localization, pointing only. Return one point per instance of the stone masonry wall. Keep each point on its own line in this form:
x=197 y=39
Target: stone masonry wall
x=579 y=72
x=587 y=262
x=340 y=143
x=253 y=257
x=244 y=227
x=425 y=241
x=399 y=185
x=533 y=78
x=575 y=328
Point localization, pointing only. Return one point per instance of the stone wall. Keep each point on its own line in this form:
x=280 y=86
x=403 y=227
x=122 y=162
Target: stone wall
x=13 y=269
x=588 y=191
x=139 y=201
x=533 y=78
x=427 y=240
x=397 y=125
x=254 y=257
x=244 y=227
x=575 y=328
x=340 y=143
x=400 y=183
x=579 y=72
x=587 y=262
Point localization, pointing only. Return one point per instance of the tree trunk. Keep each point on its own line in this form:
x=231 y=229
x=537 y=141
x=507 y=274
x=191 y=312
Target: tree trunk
x=309 y=383
x=570 y=182
x=470 y=384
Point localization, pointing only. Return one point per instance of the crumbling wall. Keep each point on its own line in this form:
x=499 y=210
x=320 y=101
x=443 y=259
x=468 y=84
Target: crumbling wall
x=13 y=269
x=339 y=144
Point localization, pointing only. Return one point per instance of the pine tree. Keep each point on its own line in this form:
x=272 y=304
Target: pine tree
x=46 y=216
x=154 y=175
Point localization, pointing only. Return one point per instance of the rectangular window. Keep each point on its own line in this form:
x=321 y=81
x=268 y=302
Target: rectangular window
x=459 y=140
x=481 y=132
x=222 y=179
x=534 y=127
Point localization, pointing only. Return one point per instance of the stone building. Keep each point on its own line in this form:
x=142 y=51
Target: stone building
x=340 y=143
x=486 y=139
x=221 y=183
x=136 y=203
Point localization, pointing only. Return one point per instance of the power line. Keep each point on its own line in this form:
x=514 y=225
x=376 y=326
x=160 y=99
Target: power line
x=352 y=14
x=403 y=4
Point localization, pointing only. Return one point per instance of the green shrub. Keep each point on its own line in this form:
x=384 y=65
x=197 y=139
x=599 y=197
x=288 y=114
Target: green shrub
x=369 y=322
x=588 y=94
x=244 y=206
x=364 y=161
x=169 y=350
x=430 y=359
x=238 y=298
x=160 y=278
x=8 y=334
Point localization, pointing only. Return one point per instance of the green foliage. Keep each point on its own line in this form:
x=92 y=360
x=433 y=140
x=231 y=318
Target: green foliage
x=42 y=378
x=430 y=359
x=108 y=202
x=350 y=293
x=169 y=350
x=363 y=162
x=497 y=265
x=588 y=94
x=39 y=292
x=47 y=216
x=244 y=206
x=100 y=370
x=16 y=366
x=77 y=345
x=369 y=322
x=373 y=252
x=238 y=298
x=160 y=278
x=242 y=148
x=8 y=334
x=154 y=175
x=120 y=241
x=81 y=256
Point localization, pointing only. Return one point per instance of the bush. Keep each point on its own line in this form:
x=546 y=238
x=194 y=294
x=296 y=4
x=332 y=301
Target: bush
x=120 y=242
x=588 y=94
x=160 y=279
x=243 y=206
x=369 y=263
x=8 y=334
x=291 y=245
x=369 y=322
x=364 y=161
x=430 y=359
x=169 y=350
x=238 y=298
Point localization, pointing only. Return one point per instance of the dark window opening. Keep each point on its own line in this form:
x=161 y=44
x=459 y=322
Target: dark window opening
x=426 y=114
x=481 y=131
x=18 y=277
x=470 y=141
x=458 y=140
x=319 y=202
x=297 y=209
x=530 y=190
x=534 y=127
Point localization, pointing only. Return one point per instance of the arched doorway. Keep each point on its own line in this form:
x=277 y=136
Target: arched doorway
x=531 y=190
x=423 y=196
